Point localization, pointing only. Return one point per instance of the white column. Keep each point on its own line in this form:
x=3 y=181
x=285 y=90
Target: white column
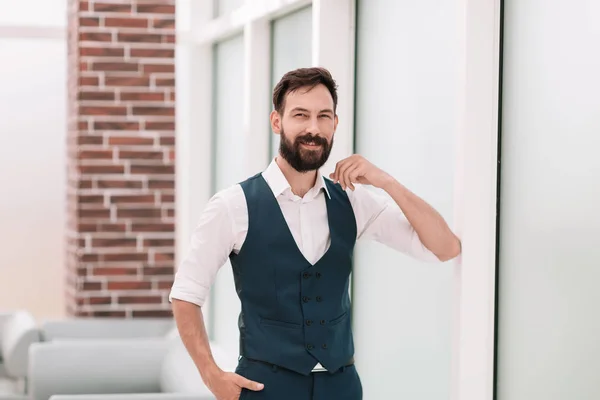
x=475 y=202
x=333 y=48
x=193 y=124
x=257 y=47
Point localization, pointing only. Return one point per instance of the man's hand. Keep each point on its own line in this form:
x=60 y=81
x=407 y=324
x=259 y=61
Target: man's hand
x=357 y=169
x=228 y=385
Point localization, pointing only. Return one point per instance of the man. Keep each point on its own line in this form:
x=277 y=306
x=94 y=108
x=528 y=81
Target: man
x=290 y=233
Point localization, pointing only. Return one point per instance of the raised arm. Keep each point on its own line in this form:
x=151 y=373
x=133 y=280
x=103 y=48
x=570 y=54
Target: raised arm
x=407 y=223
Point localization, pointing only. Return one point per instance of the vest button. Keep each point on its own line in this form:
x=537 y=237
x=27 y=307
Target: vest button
x=306 y=275
x=319 y=298
x=318 y=274
x=305 y=299
x=310 y=346
x=308 y=322
x=322 y=322
x=324 y=345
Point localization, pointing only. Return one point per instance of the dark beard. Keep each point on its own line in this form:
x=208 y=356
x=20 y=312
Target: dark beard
x=301 y=159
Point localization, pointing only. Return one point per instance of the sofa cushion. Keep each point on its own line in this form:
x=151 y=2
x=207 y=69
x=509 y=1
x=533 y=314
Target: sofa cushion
x=95 y=367
x=19 y=332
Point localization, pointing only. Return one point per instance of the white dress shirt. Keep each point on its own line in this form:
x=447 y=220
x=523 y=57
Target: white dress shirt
x=223 y=226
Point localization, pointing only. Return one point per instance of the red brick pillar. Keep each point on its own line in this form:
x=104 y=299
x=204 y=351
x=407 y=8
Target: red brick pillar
x=121 y=189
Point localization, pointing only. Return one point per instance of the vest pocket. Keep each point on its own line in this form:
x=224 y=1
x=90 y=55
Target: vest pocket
x=280 y=324
x=339 y=319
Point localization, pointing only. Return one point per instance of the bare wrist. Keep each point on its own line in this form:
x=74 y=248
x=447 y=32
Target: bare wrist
x=210 y=370
x=389 y=183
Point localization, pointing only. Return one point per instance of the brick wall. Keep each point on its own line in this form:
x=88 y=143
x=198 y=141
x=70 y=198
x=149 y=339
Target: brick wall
x=121 y=196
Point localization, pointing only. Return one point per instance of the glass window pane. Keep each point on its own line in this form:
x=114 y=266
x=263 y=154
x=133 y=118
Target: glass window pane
x=405 y=124
x=229 y=169
x=223 y=7
x=34 y=13
x=292 y=48
x=228 y=115
x=548 y=328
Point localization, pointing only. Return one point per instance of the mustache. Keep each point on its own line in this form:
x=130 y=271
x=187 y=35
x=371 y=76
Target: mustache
x=318 y=140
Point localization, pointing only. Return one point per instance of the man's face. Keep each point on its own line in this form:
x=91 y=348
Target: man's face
x=310 y=124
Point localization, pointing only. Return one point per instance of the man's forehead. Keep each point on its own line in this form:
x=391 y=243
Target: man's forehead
x=316 y=98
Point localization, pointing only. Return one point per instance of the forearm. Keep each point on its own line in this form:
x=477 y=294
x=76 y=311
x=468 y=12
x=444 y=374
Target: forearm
x=430 y=226
x=192 y=330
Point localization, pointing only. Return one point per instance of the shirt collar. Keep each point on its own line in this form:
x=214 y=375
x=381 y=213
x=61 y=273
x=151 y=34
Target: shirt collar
x=278 y=183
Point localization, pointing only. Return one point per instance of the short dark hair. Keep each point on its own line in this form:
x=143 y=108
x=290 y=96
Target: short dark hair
x=303 y=77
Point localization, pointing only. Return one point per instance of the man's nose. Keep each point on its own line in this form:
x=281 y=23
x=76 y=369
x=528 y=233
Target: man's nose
x=313 y=126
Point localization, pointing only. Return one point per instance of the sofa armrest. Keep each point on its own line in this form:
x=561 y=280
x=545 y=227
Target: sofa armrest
x=19 y=332
x=136 y=396
x=4 y=316
x=95 y=367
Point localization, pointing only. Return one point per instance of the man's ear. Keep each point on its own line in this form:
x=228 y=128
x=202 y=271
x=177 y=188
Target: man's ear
x=275 y=122
x=335 y=123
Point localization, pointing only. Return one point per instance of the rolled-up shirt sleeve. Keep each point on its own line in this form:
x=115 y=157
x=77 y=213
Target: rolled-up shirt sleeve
x=211 y=243
x=379 y=218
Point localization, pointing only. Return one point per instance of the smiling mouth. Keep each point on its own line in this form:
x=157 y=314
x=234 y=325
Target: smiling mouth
x=311 y=145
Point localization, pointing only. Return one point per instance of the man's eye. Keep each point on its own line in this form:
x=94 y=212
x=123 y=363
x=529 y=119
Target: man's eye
x=325 y=116
x=300 y=115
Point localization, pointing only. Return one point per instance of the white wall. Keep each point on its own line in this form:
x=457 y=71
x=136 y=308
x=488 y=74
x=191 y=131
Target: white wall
x=34 y=13
x=406 y=117
x=33 y=95
x=32 y=175
x=550 y=194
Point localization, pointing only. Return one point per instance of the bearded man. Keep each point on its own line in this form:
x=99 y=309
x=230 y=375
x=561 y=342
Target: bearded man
x=290 y=233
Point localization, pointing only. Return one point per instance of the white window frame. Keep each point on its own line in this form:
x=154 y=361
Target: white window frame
x=333 y=43
x=475 y=199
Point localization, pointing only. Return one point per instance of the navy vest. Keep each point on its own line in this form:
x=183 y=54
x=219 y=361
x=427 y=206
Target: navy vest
x=294 y=314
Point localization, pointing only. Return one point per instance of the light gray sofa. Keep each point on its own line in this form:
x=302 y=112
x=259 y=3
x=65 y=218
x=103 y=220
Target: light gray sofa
x=19 y=330
x=141 y=369
x=74 y=359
